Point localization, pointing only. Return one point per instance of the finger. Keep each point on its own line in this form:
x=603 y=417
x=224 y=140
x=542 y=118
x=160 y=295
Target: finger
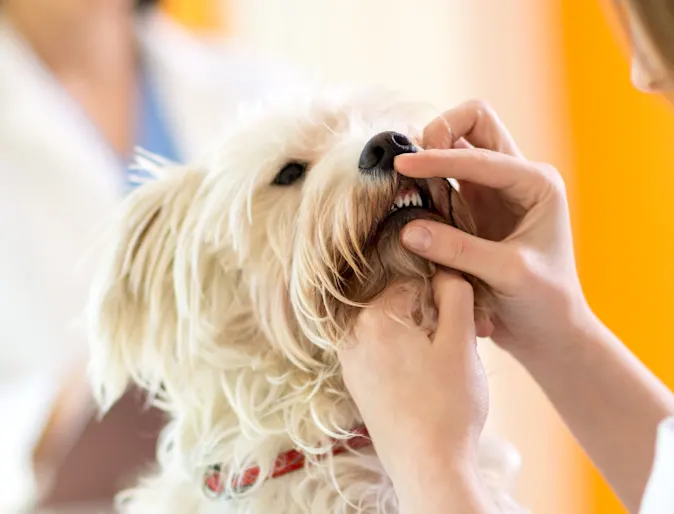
x=484 y=326
x=475 y=122
x=450 y=247
x=389 y=316
x=518 y=180
x=397 y=299
x=462 y=143
x=454 y=299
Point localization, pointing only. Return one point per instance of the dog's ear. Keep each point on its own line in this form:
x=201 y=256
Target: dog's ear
x=132 y=309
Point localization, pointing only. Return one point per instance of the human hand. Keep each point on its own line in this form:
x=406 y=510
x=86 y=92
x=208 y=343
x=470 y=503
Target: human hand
x=424 y=399
x=523 y=249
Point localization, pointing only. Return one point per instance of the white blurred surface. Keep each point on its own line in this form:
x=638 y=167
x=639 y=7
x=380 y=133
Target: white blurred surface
x=59 y=182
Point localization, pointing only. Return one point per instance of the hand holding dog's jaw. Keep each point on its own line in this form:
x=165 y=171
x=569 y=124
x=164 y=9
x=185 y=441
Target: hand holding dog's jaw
x=393 y=364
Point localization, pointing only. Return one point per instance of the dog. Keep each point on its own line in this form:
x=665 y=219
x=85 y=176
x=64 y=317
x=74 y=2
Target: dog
x=228 y=286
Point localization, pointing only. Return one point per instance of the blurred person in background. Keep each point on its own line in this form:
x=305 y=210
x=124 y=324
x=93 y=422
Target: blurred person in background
x=618 y=410
x=81 y=84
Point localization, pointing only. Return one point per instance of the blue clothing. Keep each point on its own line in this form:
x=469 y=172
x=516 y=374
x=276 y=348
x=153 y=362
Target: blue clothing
x=152 y=131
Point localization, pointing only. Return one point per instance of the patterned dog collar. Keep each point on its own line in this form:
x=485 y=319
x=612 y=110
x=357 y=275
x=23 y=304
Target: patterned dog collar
x=285 y=463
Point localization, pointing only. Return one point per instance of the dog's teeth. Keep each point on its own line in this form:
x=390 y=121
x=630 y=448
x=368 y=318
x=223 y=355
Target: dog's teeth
x=411 y=199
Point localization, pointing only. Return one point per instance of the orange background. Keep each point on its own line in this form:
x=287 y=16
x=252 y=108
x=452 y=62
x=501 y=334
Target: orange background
x=198 y=14
x=621 y=158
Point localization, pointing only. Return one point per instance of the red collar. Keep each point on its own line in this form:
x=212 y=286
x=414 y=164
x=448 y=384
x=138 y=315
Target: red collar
x=287 y=462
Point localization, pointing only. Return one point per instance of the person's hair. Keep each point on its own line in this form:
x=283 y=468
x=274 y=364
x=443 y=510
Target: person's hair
x=657 y=18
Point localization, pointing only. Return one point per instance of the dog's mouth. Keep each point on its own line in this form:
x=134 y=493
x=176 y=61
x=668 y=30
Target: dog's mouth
x=419 y=198
x=406 y=199
x=411 y=195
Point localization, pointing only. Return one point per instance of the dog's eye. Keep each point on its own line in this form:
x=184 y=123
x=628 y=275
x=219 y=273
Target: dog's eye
x=290 y=173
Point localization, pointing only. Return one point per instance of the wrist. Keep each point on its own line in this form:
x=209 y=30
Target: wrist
x=578 y=329
x=452 y=491
x=435 y=484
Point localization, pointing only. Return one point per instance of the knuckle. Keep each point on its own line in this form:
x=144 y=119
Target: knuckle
x=481 y=108
x=368 y=317
x=552 y=177
x=463 y=288
x=369 y=312
x=559 y=184
x=452 y=286
x=439 y=133
x=371 y=315
x=455 y=250
x=519 y=269
x=372 y=324
x=447 y=277
x=484 y=113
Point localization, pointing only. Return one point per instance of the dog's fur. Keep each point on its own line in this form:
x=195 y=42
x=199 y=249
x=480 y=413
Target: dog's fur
x=226 y=298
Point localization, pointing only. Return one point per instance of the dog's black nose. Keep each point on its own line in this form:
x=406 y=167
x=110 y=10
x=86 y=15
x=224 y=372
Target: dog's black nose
x=379 y=152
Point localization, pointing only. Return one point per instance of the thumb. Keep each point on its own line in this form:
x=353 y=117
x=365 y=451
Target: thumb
x=454 y=300
x=455 y=249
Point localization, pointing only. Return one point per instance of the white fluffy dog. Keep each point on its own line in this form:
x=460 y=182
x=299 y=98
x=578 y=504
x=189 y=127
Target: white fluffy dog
x=230 y=284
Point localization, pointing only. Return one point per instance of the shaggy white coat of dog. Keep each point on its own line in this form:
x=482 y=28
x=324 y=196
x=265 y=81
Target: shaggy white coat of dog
x=229 y=285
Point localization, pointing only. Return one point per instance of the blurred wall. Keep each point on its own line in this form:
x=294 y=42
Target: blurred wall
x=447 y=51
x=623 y=156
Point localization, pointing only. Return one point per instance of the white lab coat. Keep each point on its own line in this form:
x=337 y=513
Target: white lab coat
x=58 y=182
x=659 y=495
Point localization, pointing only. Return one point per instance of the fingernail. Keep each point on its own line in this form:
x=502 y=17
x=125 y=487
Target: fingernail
x=417 y=238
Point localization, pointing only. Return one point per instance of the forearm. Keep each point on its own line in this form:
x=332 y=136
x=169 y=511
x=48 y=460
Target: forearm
x=611 y=402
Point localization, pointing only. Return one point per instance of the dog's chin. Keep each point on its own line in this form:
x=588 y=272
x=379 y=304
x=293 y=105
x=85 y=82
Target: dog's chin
x=393 y=224
x=398 y=262
x=388 y=260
